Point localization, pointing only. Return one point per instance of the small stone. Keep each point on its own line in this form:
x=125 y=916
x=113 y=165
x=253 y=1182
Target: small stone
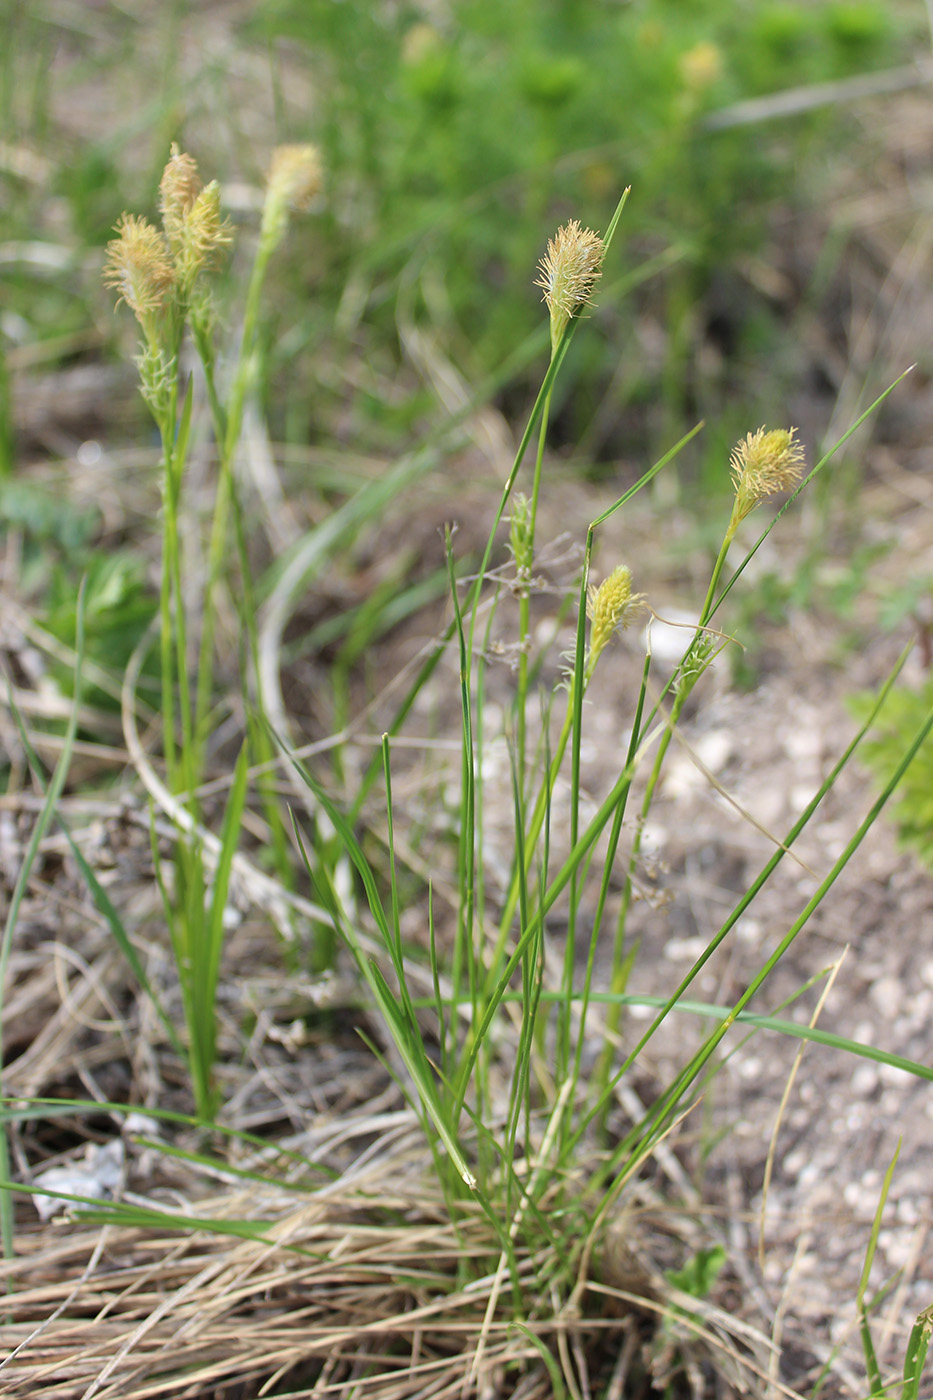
x=888 y=995
x=864 y=1080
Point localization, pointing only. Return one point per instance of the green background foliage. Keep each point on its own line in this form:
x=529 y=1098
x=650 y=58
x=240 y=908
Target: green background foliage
x=901 y=717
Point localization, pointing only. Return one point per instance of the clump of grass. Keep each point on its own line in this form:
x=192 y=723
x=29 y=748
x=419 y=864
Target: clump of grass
x=528 y=1142
x=163 y=275
x=527 y=1137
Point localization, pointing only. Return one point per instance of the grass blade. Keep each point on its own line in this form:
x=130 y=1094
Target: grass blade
x=405 y=1035
x=45 y=817
x=868 y=1346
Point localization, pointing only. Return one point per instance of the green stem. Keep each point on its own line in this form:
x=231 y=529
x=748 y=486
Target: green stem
x=165 y=653
x=620 y=971
x=188 y=758
x=619 y=968
x=530 y=845
x=167 y=634
x=227 y=429
x=524 y=606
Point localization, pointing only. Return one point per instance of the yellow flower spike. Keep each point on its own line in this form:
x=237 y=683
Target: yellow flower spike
x=139 y=267
x=194 y=228
x=568 y=273
x=178 y=189
x=294 y=179
x=762 y=464
x=205 y=234
x=609 y=607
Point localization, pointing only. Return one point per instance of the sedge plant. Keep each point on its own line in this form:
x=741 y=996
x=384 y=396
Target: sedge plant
x=513 y=1132
x=523 y=1136
x=164 y=275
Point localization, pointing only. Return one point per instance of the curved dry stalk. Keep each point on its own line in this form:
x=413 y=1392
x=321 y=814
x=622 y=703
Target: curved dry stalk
x=263 y=890
x=266 y=892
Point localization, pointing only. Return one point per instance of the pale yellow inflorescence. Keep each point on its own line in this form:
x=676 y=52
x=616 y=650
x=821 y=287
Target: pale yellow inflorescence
x=763 y=463
x=295 y=176
x=295 y=173
x=610 y=607
x=154 y=271
x=139 y=267
x=568 y=273
x=178 y=189
x=206 y=232
x=191 y=217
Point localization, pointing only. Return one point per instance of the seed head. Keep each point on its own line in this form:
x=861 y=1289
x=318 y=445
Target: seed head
x=610 y=607
x=762 y=464
x=191 y=217
x=698 y=658
x=139 y=267
x=178 y=189
x=568 y=272
x=520 y=536
x=294 y=179
x=204 y=235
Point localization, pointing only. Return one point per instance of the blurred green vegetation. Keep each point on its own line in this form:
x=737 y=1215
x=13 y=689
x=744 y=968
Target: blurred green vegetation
x=118 y=609
x=56 y=550
x=912 y=808
x=453 y=146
